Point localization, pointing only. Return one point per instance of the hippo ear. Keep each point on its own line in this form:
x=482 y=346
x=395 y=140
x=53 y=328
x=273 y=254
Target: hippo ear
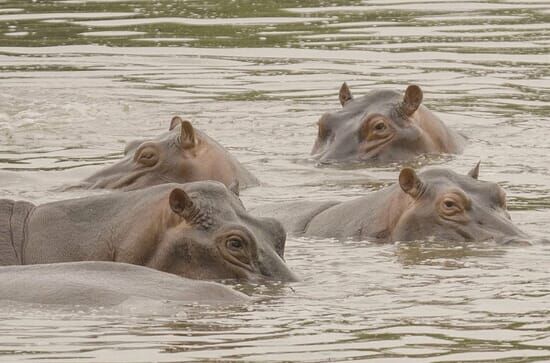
x=234 y=187
x=410 y=182
x=412 y=100
x=187 y=138
x=345 y=94
x=183 y=205
x=474 y=173
x=179 y=201
x=176 y=120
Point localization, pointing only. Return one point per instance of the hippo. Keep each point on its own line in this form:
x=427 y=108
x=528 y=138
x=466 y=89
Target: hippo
x=384 y=126
x=181 y=155
x=437 y=204
x=197 y=230
x=99 y=283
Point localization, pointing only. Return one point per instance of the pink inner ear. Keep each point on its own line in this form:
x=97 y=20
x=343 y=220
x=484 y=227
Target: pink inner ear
x=179 y=201
x=187 y=137
x=412 y=100
x=409 y=182
x=413 y=95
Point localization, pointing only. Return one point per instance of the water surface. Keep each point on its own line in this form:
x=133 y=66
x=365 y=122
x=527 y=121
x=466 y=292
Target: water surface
x=80 y=78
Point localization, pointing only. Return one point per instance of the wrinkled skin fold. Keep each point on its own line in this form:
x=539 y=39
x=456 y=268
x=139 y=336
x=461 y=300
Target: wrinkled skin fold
x=197 y=230
x=181 y=155
x=381 y=127
x=438 y=204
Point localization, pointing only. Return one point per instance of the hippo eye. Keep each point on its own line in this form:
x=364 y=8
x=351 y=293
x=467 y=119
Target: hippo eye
x=147 y=156
x=375 y=128
x=450 y=206
x=236 y=251
x=235 y=244
x=380 y=126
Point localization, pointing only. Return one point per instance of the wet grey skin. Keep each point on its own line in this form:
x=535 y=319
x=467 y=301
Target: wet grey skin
x=95 y=283
x=181 y=155
x=437 y=204
x=197 y=230
x=383 y=126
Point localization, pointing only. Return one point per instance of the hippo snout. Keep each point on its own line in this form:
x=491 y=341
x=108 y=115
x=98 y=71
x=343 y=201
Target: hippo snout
x=273 y=267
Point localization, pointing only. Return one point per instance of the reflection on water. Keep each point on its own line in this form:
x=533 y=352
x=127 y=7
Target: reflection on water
x=80 y=78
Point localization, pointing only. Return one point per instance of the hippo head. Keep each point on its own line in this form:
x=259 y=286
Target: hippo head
x=377 y=127
x=210 y=235
x=181 y=155
x=451 y=207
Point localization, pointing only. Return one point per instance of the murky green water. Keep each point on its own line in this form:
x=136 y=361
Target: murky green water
x=79 y=78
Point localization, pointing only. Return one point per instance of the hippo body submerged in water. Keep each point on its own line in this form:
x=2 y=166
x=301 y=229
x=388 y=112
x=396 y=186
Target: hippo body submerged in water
x=197 y=230
x=98 y=283
x=183 y=154
x=438 y=204
x=381 y=127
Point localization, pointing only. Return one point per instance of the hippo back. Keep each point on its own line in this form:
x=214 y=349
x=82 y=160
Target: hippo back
x=106 y=284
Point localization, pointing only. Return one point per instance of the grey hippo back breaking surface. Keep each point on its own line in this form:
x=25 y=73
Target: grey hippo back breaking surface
x=381 y=127
x=198 y=230
x=437 y=204
x=98 y=283
x=181 y=155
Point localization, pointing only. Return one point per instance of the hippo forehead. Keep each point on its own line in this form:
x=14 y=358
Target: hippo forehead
x=226 y=208
x=381 y=101
x=445 y=179
x=170 y=138
x=216 y=198
x=166 y=137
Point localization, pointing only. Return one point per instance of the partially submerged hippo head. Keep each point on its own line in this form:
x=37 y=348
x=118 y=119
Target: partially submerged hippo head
x=197 y=230
x=451 y=207
x=184 y=154
x=383 y=126
x=210 y=235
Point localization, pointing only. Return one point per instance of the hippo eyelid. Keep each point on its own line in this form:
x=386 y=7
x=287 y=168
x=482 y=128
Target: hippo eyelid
x=237 y=230
x=368 y=128
x=370 y=117
x=372 y=120
x=241 y=256
x=459 y=197
x=147 y=151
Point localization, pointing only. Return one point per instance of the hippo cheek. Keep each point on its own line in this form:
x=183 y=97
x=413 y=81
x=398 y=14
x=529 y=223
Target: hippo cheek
x=342 y=152
x=125 y=175
x=379 y=150
x=130 y=180
x=197 y=261
x=432 y=228
x=500 y=231
x=404 y=144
